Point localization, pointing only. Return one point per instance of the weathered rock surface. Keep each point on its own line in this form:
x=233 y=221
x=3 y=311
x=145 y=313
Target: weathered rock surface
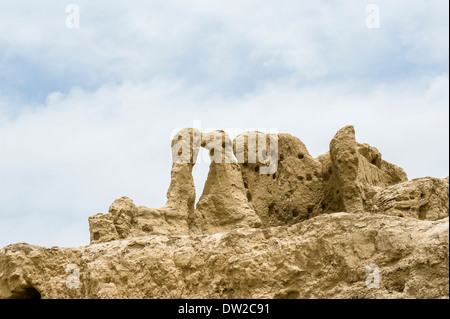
x=421 y=198
x=344 y=156
x=291 y=194
x=223 y=205
x=344 y=179
x=323 y=257
x=125 y=220
x=354 y=173
x=241 y=195
x=269 y=224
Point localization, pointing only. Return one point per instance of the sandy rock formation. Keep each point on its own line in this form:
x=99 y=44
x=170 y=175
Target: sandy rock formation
x=423 y=198
x=223 y=205
x=181 y=193
x=293 y=192
x=125 y=220
x=323 y=257
x=344 y=179
x=353 y=173
x=269 y=224
x=344 y=156
x=275 y=182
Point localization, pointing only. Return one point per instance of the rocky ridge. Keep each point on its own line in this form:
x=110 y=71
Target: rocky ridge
x=272 y=222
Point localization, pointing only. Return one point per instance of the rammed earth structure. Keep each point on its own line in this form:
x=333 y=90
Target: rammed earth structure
x=308 y=229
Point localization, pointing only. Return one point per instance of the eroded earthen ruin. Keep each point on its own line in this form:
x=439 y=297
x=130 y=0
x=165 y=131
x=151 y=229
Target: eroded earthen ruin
x=272 y=222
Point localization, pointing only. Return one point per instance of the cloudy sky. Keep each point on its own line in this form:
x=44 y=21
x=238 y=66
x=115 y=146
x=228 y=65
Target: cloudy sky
x=86 y=114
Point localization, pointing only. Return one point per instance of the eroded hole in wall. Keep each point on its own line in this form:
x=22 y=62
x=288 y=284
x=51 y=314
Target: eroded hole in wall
x=147 y=228
x=292 y=294
x=423 y=212
x=96 y=236
x=400 y=287
x=301 y=156
x=200 y=172
x=308 y=177
x=396 y=281
x=271 y=208
x=27 y=293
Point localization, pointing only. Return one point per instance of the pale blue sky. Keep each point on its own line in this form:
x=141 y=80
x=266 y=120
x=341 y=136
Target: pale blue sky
x=86 y=114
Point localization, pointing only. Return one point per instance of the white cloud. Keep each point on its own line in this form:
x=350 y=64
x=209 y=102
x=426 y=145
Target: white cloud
x=72 y=157
x=222 y=45
x=86 y=114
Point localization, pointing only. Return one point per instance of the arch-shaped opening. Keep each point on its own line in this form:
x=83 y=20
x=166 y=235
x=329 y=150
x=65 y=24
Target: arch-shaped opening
x=201 y=169
x=200 y=172
x=27 y=293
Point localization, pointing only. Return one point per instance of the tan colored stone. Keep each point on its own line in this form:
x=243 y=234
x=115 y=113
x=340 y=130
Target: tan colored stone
x=422 y=198
x=354 y=173
x=305 y=246
x=323 y=257
x=125 y=220
x=223 y=205
x=293 y=192
x=344 y=156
